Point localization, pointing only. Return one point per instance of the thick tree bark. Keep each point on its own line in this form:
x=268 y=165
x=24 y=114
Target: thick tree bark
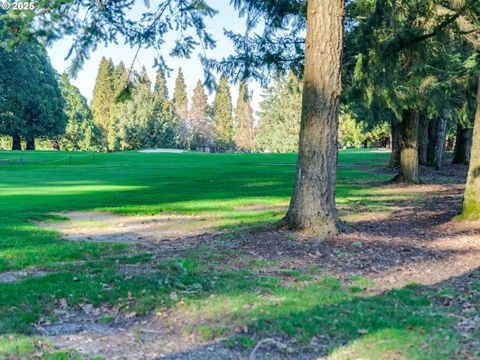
x=422 y=139
x=312 y=207
x=409 y=153
x=396 y=144
x=16 y=142
x=463 y=144
x=471 y=202
x=30 y=143
x=437 y=132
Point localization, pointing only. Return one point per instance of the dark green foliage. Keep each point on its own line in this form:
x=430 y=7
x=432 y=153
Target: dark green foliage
x=31 y=103
x=245 y=136
x=183 y=127
x=109 y=22
x=160 y=87
x=145 y=120
x=103 y=95
x=223 y=108
x=279 y=122
x=203 y=127
x=81 y=132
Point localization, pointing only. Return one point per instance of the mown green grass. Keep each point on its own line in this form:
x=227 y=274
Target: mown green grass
x=216 y=187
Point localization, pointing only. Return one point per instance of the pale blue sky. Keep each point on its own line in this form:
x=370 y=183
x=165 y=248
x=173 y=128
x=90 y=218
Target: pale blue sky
x=226 y=18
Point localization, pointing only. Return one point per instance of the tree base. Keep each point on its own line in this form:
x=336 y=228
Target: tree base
x=320 y=228
x=400 y=179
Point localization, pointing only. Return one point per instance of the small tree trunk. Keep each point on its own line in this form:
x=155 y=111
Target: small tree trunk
x=463 y=144
x=437 y=132
x=30 y=143
x=422 y=139
x=396 y=144
x=471 y=203
x=16 y=142
x=55 y=144
x=312 y=207
x=409 y=152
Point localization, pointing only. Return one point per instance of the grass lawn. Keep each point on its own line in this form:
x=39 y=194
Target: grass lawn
x=304 y=304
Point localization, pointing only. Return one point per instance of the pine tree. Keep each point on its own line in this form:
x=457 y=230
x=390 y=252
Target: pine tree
x=81 y=132
x=180 y=99
x=223 y=108
x=165 y=122
x=134 y=117
x=202 y=125
x=103 y=96
x=144 y=84
x=31 y=102
x=245 y=127
x=279 y=122
x=180 y=105
x=160 y=87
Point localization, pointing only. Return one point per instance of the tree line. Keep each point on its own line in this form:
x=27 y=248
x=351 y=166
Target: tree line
x=133 y=113
x=127 y=111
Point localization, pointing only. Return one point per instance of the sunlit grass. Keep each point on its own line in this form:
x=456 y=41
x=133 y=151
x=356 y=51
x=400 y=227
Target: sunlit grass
x=220 y=289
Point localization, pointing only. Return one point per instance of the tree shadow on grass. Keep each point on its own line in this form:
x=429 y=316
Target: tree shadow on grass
x=441 y=321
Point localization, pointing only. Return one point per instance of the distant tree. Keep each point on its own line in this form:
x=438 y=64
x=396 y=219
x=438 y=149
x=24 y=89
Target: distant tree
x=160 y=87
x=222 y=108
x=180 y=105
x=280 y=111
x=103 y=97
x=165 y=123
x=31 y=103
x=351 y=131
x=81 y=132
x=245 y=126
x=145 y=119
x=203 y=129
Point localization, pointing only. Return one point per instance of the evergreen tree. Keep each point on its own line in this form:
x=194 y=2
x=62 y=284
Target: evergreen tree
x=160 y=87
x=135 y=115
x=245 y=127
x=165 y=124
x=103 y=97
x=279 y=122
x=223 y=108
x=183 y=127
x=202 y=125
x=81 y=132
x=31 y=103
x=180 y=99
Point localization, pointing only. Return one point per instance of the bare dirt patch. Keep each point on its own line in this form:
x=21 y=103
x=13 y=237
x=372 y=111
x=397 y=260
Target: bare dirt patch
x=93 y=226
x=15 y=276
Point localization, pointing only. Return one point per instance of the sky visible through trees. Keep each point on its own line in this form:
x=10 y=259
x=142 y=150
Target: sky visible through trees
x=227 y=18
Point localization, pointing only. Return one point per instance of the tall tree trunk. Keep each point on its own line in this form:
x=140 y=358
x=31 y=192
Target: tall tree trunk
x=437 y=132
x=396 y=144
x=422 y=139
x=409 y=153
x=30 y=143
x=312 y=207
x=16 y=142
x=463 y=144
x=471 y=202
